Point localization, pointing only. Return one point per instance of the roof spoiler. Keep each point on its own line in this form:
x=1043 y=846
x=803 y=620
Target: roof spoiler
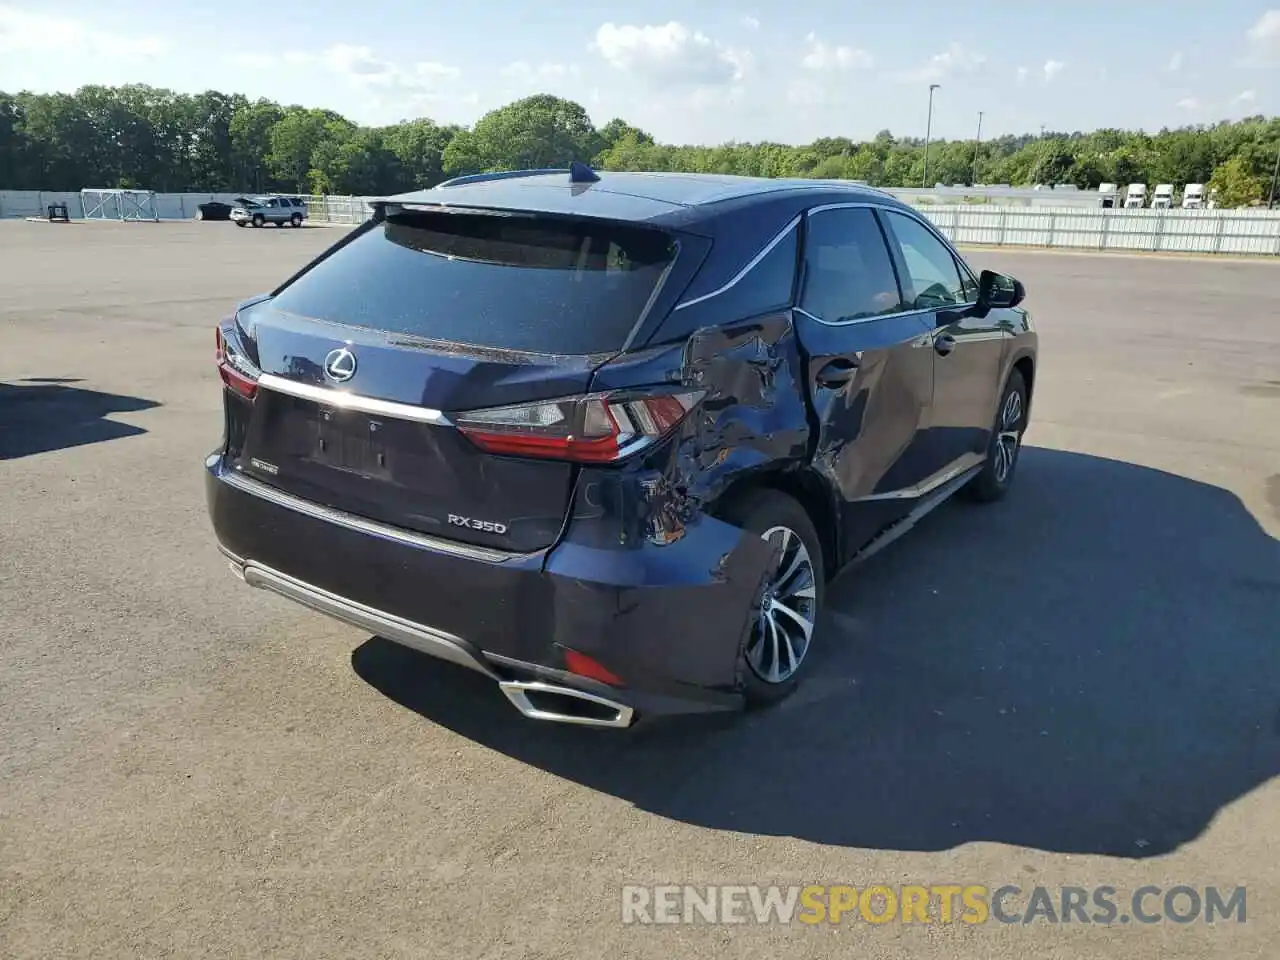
x=578 y=173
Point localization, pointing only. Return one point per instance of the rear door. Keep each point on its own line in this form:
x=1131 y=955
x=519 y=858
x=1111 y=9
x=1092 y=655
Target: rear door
x=367 y=359
x=870 y=369
x=969 y=348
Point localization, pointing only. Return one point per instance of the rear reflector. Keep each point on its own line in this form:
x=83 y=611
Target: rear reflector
x=600 y=428
x=237 y=372
x=584 y=666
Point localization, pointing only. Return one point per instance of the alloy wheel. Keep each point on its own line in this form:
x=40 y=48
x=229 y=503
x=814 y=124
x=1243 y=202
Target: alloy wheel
x=1008 y=436
x=780 y=637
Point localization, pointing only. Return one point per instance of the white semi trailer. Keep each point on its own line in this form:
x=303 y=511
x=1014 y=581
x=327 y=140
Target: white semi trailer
x=1136 y=196
x=1162 y=199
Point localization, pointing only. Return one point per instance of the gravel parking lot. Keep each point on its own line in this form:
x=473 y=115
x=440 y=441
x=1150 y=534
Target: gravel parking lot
x=1079 y=686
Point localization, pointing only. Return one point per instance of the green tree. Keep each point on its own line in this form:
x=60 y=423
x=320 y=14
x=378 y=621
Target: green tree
x=295 y=137
x=418 y=146
x=538 y=131
x=617 y=128
x=250 y=130
x=137 y=135
x=1235 y=184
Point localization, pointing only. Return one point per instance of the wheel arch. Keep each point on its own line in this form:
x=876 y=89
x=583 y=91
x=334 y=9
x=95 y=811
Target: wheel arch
x=1025 y=364
x=806 y=487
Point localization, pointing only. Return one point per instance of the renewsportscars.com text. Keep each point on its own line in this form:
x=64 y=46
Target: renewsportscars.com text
x=938 y=903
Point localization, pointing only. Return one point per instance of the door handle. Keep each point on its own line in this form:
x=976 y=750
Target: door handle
x=944 y=344
x=837 y=373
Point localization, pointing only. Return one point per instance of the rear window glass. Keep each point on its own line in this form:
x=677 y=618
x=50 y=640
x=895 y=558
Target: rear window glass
x=516 y=282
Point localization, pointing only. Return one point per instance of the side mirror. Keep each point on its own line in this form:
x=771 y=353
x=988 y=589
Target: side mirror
x=997 y=291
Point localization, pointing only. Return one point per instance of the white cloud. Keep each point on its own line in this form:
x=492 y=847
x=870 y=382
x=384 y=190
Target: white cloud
x=1189 y=103
x=1264 y=38
x=670 y=54
x=1052 y=68
x=25 y=32
x=386 y=89
x=823 y=56
x=1175 y=62
x=359 y=65
x=1245 y=96
x=955 y=59
x=1022 y=75
x=751 y=23
x=522 y=71
x=253 y=61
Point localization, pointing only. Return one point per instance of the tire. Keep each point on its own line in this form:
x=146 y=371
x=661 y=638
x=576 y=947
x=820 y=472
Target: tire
x=296 y=220
x=997 y=474
x=258 y=220
x=778 y=518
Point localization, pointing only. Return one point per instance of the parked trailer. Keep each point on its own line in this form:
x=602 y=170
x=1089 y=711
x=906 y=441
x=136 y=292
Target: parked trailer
x=1136 y=196
x=1162 y=199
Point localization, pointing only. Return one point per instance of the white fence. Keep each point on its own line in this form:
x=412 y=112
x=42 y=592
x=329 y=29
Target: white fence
x=1254 y=231
x=169 y=206
x=1173 y=231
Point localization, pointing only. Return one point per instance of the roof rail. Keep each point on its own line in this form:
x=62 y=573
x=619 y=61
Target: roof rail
x=499 y=175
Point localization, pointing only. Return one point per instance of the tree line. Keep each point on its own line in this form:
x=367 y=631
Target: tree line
x=151 y=138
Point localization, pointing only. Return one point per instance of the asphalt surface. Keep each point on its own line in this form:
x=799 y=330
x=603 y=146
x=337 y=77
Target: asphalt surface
x=1078 y=686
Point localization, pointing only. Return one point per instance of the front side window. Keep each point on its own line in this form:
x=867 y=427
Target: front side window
x=932 y=271
x=848 y=273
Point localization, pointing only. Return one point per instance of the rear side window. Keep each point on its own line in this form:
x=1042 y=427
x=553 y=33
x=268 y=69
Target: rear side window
x=517 y=282
x=848 y=273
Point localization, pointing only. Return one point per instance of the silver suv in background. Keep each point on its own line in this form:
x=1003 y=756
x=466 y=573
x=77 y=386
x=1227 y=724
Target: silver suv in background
x=263 y=210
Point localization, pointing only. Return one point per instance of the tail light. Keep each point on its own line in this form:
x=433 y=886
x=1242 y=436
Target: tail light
x=238 y=373
x=600 y=428
x=585 y=666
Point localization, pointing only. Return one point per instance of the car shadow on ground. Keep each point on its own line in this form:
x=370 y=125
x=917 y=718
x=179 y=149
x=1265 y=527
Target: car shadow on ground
x=1090 y=666
x=41 y=414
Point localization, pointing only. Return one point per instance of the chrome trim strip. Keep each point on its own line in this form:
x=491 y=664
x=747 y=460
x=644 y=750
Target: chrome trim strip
x=517 y=692
x=967 y=462
x=360 y=524
x=848 y=205
x=351 y=401
x=895 y=316
x=921 y=510
x=436 y=643
x=879 y=316
x=782 y=235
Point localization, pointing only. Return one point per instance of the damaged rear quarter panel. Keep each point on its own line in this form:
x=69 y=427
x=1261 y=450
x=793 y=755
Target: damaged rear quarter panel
x=649 y=522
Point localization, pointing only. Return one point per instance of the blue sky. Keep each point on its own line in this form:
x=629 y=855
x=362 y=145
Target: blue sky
x=689 y=73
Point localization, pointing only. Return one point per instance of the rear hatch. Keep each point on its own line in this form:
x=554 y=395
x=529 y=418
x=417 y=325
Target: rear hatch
x=356 y=385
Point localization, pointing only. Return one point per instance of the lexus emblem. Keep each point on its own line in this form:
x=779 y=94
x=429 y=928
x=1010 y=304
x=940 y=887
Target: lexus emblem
x=340 y=365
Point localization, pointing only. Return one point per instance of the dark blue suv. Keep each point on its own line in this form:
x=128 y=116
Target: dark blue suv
x=605 y=437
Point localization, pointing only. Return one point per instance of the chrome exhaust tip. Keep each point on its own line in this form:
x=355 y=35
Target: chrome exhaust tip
x=539 y=700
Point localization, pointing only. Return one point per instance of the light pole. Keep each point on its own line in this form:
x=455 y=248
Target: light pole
x=928 y=128
x=976 y=144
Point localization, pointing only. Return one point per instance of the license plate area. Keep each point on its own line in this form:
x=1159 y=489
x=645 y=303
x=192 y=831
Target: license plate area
x=347 y=440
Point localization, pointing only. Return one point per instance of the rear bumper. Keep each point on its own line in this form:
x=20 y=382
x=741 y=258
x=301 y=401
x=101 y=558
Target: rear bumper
x=667 y=619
